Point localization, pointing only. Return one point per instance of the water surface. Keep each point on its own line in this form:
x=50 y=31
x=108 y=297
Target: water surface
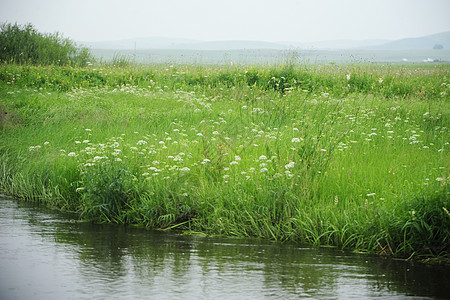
x=46 y=255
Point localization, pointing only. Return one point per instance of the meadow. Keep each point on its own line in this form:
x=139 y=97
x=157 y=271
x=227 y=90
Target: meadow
x=352 y=156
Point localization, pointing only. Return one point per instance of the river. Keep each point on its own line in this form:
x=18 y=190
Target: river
x=44 y=254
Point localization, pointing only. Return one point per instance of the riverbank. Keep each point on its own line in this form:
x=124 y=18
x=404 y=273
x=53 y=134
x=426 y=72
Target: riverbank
x=82 y=260
x=350 y=156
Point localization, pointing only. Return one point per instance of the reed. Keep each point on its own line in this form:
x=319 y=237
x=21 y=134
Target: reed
x=23 y=44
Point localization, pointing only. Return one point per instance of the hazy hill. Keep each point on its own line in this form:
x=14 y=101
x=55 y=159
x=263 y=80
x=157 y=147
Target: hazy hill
x=186 y=44
x=177 y=44
x=339 y=44
x=232 y=45
x=420 y=43
x=139 y=43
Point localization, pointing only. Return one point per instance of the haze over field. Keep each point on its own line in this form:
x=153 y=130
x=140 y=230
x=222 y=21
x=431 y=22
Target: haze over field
x=429 y=42
x=282 y=22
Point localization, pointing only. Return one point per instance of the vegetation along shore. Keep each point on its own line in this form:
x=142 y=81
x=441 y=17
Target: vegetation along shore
x=353 y=156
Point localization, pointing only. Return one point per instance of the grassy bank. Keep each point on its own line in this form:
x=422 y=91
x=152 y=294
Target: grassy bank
x=350 y=156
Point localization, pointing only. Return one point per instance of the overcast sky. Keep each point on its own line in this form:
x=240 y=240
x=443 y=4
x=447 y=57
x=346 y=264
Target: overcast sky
x=265 y=20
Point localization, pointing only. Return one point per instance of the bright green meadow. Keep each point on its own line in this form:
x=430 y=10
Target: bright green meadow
x=352 y=156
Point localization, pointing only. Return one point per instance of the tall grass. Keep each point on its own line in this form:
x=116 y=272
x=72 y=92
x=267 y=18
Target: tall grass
x=350 y=156
x=419 y=81
x=23 y=44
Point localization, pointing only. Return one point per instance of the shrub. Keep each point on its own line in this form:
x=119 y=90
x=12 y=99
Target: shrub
x=23 y=44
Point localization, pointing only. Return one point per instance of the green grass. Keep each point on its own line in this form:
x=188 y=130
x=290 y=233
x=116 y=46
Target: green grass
x=350 y=156
x=23 y=44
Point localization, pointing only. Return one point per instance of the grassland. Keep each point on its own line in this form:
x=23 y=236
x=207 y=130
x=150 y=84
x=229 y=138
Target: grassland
x=353 y=156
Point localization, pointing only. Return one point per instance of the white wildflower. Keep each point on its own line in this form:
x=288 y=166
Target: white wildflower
x=99 y=158
x=290 y=165
x=33 y=148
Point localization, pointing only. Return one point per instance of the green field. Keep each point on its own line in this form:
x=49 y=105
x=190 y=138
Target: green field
x=354 y=156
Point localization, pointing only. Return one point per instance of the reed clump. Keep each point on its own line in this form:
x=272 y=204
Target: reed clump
x=23 y=44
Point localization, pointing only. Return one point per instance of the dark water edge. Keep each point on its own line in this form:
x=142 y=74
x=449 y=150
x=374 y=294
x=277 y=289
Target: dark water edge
x=46 y=255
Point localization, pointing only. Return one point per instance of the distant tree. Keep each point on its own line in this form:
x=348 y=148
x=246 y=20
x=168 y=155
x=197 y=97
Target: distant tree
x=23 y=44
x=438 y=47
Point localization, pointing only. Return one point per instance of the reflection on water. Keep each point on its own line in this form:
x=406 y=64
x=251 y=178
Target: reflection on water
x=45 y=255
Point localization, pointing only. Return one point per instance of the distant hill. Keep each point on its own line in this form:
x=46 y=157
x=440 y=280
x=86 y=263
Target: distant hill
x=420 y=43
x=232 y=45
x=178 y=44
x=339 y=44
x=139 y=43
x=186 y=44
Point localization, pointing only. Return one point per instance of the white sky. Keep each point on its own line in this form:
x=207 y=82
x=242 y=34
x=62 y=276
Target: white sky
x=265 y=20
